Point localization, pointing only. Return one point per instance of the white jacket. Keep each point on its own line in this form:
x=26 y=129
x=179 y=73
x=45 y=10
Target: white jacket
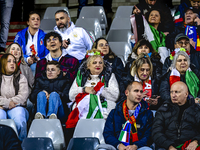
x=80 y=41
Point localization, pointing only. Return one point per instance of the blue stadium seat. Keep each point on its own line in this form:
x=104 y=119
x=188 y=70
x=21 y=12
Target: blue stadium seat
x=42 y=143
x=85 y=143
x=10 y=123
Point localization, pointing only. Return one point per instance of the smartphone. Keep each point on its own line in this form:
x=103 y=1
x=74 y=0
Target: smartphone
x=154 y=96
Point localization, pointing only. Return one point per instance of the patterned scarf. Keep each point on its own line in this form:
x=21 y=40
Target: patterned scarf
x=129 y=130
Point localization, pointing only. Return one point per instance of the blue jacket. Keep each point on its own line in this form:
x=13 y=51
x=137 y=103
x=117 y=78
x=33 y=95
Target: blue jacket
x=21 y=38
x=116 y=120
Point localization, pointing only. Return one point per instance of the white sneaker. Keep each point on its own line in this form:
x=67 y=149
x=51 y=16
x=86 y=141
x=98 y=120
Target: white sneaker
x=38 y=115
x=53 y=116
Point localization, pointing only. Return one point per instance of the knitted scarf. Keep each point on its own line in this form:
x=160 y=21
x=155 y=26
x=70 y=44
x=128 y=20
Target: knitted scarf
x=191 y=79
x=185 y=145
x=129 y=130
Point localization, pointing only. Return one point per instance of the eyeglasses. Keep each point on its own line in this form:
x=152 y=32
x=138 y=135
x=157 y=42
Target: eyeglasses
x=53 y=39
x=102 y=45
x=181 y=43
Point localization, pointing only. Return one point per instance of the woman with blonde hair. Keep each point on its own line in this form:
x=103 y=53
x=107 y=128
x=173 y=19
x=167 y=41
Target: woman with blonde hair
x=16 y=50
x=95 y=89
x=142 y=71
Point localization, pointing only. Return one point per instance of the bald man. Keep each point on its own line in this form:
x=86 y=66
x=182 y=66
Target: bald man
x=177 y=122
x=135 y=110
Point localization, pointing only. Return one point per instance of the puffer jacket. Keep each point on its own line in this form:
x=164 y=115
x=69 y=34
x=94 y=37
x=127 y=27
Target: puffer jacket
x=117 y=67
x=61 y=85
x=166 y=132
x=116 y=119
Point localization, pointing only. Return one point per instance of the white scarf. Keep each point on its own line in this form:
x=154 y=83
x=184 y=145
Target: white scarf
x=31 y=41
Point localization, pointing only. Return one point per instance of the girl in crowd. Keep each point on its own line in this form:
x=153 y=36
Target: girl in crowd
x=13 y=94
x=31 y=41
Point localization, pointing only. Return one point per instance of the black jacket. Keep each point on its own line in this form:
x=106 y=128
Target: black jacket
x=169 y=24
x=61 y=85
x=117 y=67
x=155 y=60
x=194 y=60
x=166 y=131
x=9 y=139
x=129 y=78
x=165 y=86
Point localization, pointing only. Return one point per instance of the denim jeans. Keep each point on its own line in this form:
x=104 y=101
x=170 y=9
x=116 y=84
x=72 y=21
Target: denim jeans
x=20 y=116
x=33 y=68
x=6 y=8
x=55 y=105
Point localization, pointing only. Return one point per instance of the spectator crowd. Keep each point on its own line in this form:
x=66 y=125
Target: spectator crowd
x=151 y=102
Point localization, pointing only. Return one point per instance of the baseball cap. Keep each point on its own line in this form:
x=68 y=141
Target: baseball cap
x=179 y=36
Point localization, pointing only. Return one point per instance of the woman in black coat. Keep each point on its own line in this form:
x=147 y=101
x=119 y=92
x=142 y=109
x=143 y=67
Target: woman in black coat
x=142 y=71
x=143 y=46
x=51 y=88
x=115 y=62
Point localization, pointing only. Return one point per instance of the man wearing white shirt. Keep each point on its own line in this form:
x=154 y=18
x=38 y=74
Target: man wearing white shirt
x=76 y=40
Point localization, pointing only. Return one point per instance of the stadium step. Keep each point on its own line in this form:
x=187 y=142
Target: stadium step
x=13 y=29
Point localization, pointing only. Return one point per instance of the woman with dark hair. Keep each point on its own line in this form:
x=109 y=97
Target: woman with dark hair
x=16 y=50
x=152 y=31
x=143 y=46
x=31 y=41
x=13 y=94
x=115 y=62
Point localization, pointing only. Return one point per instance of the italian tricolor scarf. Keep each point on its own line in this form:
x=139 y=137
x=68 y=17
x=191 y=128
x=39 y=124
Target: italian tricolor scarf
x=129 y=130
x=191 y=32
x=191 y=79
x=87 y=105
x=146 y=86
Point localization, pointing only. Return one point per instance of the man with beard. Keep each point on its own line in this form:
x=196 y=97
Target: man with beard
x=76 y=40
x=69 y=64
x=180 y=11
x=145 y=5
x=176 y=125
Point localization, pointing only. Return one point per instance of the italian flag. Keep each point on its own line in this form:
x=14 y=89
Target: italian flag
x=153 y=36
x=88 y=106
x=174 y=77
x=177 y=18
x=124 y=136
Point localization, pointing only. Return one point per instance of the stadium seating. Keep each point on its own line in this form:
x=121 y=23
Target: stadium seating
x=47 y=25
x=120 y=23
x=10 y=123
x=90 y=128
x=90 y=24
x=51 y=128
x=42 y=143
x=124 y=12
x=85 y=143
x=50 y=12
x=95 y=12
x=121 y=49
